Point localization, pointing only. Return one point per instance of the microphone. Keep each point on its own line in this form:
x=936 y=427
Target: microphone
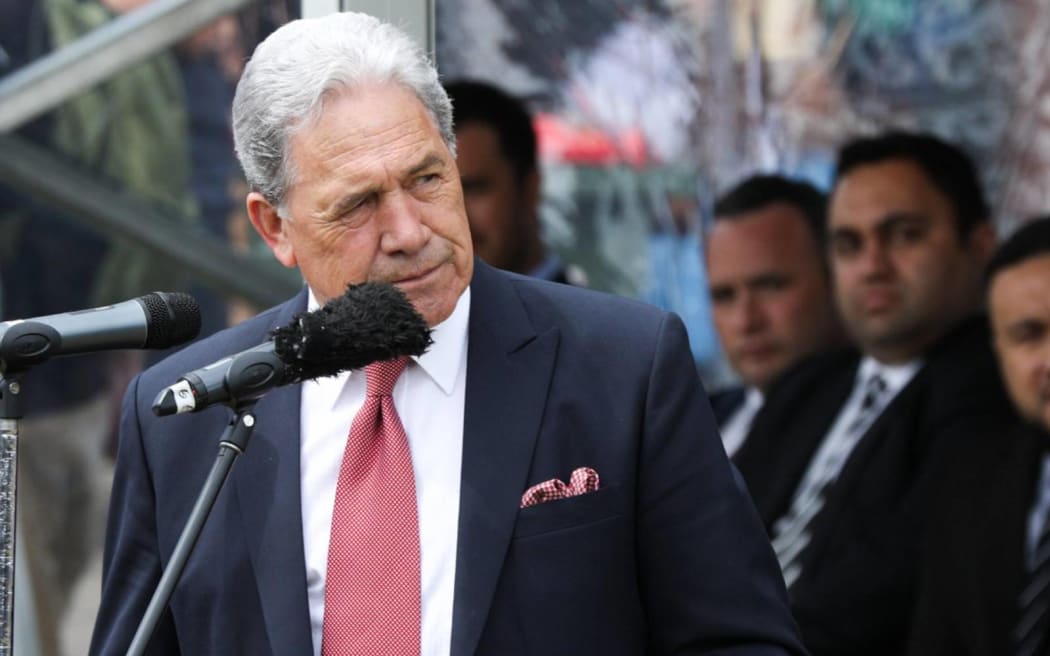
x=154 y=321
x=369 y=323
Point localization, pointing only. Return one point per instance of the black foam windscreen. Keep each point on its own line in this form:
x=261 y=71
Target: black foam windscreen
x=371 y=322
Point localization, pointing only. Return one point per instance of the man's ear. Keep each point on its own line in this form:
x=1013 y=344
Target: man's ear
x=271 y=227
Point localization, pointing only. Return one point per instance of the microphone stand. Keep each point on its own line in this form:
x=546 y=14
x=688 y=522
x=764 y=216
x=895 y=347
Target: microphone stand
x=233 y=442
x=10 y=413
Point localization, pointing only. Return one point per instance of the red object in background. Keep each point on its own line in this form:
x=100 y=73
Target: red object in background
x=567 y=144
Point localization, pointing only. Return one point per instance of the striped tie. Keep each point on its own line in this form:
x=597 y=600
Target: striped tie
x=1030 y=633
x=791 y=532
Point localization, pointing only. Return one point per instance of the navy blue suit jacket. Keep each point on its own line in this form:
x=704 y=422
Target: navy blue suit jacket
x=667 y=557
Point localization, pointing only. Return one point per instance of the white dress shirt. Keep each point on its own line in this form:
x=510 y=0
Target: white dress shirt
x=1037 y=513
x=735 y=429
x=429 y=397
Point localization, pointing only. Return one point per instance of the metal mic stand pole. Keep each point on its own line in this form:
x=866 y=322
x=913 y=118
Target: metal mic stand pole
x=232 y=444
x=10 y=413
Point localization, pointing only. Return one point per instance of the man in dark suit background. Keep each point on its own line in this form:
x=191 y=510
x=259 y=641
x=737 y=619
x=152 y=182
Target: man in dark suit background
x=986 y=570
x=644 y=545
x=839 y=458
x=496 y=158
x=770 y=290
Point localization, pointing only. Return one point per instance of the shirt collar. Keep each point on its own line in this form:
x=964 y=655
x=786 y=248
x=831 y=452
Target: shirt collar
x=896 y=376
x=753 y=397
x=440 y=362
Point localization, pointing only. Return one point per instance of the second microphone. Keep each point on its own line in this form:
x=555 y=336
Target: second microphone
x=369 y=323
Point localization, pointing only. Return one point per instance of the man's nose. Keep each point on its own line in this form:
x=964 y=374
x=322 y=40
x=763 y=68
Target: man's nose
x=748 y=316
x=874 y=260
x=402 y=225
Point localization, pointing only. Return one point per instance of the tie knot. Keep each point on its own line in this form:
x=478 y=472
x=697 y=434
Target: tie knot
x=383 y=375
x=873 y=390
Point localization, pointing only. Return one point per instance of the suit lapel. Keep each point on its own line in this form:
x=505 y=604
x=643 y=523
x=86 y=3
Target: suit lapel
x=794 y=449
x=268 y=496
x=509 y=369
x=725 y=403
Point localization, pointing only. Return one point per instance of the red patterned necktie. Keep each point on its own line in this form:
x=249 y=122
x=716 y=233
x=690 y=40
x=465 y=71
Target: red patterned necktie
x=372 y=591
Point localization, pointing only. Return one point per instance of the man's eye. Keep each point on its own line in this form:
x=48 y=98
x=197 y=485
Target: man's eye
x=721 y=296
x=1028 y=332
x=907 y=234
x=845 y=245
x=355 y=215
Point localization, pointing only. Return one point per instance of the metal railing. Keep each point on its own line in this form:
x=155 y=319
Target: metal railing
x=49 y=178
x=98 y=55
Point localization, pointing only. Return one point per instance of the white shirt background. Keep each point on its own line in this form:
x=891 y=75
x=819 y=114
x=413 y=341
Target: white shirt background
x=735 y=430
x=429 y=397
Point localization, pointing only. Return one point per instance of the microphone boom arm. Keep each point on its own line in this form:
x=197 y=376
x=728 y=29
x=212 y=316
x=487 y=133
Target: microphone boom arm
x=232 y=444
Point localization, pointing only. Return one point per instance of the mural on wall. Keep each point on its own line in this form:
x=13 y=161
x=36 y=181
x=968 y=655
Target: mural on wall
x=646 y=110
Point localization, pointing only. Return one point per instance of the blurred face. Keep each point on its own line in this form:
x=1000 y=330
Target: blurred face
x=770 y=292
x=1019 y=303
x=501 y=207
x=375 y=198
x=903 y=275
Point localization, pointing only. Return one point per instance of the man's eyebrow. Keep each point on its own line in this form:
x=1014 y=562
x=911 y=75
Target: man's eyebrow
x=887 y=222
x=431 y=160
x=895 y=218
x=349 y=201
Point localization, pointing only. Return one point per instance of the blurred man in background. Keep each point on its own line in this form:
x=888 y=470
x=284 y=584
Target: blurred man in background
x=986 y=574
x=770 y=290
x=496 y=158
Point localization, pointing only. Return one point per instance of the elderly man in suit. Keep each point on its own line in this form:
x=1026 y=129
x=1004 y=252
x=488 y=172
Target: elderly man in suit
x=423 y=531
x=986 y=575
x=839 y=458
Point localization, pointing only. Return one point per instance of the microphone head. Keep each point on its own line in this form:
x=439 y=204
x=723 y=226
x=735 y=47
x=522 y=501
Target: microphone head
x=371 y=322
x=173 y=318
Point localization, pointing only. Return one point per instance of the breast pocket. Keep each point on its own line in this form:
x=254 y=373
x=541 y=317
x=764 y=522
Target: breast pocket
x=572 y=512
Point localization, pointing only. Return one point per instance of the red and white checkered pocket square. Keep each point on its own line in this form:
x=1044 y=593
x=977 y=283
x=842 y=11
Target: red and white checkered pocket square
x=582 y=481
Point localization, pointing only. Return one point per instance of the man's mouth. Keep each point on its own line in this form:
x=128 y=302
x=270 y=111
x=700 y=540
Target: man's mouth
x=416 y=278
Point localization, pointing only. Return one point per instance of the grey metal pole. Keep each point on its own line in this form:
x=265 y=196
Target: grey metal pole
x=9 y=416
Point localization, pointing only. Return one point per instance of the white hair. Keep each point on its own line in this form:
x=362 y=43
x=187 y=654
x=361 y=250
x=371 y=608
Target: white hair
x=286 y=82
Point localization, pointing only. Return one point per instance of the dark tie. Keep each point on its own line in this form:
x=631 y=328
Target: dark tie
x=1030 y=633
x=372 y=602
x=791 y=532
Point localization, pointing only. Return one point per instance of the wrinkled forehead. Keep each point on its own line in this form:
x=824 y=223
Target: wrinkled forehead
x=378 y=123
